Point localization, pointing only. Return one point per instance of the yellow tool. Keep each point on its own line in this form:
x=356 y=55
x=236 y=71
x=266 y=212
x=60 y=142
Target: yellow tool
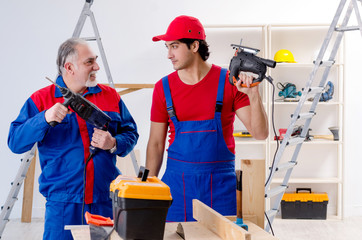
x=242 y=134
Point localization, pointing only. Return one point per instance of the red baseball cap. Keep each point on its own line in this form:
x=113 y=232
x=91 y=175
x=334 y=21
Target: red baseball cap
x=183 y=27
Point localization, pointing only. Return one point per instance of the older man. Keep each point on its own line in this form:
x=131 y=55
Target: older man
x=69 y=185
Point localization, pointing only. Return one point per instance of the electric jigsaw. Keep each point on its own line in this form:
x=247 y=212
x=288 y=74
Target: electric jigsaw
x=245 y=60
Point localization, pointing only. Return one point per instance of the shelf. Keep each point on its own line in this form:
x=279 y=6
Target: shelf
x=315 y=141
x=308 y=103
x=247 y=141
x=304 y=42
x=309 y=180
x=301 y=65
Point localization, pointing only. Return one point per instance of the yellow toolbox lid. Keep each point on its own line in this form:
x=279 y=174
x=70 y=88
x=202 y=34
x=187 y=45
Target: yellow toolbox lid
x=305 y=197
x=132 y=187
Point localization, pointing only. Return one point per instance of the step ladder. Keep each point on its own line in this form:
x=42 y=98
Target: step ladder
x=15 y=188
x=87 y=12
x=333 y=38
x=28 y=156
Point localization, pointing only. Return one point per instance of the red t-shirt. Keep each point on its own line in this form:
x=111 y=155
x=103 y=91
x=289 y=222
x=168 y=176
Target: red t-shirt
x=197 y=102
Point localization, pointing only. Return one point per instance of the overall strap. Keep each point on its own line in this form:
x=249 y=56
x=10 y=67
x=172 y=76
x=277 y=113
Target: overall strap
x=220 y=90
x=167 y=92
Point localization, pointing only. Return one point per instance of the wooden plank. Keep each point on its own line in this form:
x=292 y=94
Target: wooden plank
x=217 y=223
x=129 y=90
x=258 y=233
x=130 y=87
x=253 y=189
x=82 y=232
x=192 y=230
x=133 y=85
x=28 y=192
x=250 y=218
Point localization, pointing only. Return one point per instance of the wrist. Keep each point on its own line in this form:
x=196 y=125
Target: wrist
x=114 y=148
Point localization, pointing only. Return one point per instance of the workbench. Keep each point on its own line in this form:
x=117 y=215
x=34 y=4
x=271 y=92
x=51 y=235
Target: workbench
x=210 y=225
x=194 y=231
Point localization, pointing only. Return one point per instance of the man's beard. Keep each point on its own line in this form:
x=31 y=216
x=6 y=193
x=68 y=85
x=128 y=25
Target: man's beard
x=91 y=83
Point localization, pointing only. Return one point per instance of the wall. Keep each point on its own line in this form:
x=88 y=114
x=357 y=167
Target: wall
x=31 y=32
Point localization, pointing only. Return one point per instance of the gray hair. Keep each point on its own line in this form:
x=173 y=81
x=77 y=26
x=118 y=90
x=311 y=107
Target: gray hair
x=67 y=53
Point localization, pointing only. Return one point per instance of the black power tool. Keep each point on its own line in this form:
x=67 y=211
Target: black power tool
x=84 y=108
x=245 y=60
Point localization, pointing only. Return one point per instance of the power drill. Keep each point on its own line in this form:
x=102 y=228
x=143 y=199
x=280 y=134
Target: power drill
x=84 y=108
x=245 y=60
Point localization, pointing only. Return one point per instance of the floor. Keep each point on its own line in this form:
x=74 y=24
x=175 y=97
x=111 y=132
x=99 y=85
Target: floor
x=348 y=229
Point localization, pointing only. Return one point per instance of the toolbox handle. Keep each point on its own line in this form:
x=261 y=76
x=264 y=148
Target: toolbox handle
x=304 y=189
x=143 y=173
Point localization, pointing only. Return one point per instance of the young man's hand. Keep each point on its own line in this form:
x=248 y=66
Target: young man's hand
x=247 y=80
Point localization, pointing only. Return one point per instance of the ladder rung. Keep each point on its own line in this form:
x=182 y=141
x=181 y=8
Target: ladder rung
x=90 y=38
x=274 y=191
x=295 y=140
x=344 y=29
x=271 y=213
x=314 y=90
x=305 y=115
x=285 y=166
x=325 y=63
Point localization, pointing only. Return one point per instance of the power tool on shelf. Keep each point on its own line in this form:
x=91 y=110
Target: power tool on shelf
x=288 y=90
x=245 y=60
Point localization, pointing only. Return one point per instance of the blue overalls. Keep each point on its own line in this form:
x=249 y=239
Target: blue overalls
x=199 y=164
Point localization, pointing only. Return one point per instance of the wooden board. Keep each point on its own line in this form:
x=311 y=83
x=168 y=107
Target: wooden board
x=192 y=230
x=253 y=189
x=217 y=223
x=28 y=190
x=131 y=87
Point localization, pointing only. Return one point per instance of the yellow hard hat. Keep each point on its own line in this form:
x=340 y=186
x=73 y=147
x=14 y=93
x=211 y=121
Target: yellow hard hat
x=284 y=55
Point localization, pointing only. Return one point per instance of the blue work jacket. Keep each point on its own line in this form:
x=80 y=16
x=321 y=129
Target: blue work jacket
x=64 y=148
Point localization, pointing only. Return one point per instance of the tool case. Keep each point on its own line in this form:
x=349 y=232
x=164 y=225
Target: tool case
x=140 y=207
x=304 y=205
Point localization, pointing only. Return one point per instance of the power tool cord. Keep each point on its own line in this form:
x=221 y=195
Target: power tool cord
x=270 y=80
x=269 y=223
x=83 y=204
x=84 y=178
x=274 y=131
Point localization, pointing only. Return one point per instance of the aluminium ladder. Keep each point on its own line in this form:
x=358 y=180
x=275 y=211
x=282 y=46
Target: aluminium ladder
x=15 y=188
x=336 y=33
x=77 y=31
x=28 y=156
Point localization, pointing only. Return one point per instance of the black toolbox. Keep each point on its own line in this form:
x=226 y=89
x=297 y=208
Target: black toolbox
x=304 y=204
x=140 y=207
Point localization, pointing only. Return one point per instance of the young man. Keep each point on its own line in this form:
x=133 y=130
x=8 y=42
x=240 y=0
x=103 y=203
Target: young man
x=64 y=148
x=198 y=104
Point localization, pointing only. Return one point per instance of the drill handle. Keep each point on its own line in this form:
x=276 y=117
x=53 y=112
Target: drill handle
x=93 y=149
x=234 y=76
x=66 y=104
